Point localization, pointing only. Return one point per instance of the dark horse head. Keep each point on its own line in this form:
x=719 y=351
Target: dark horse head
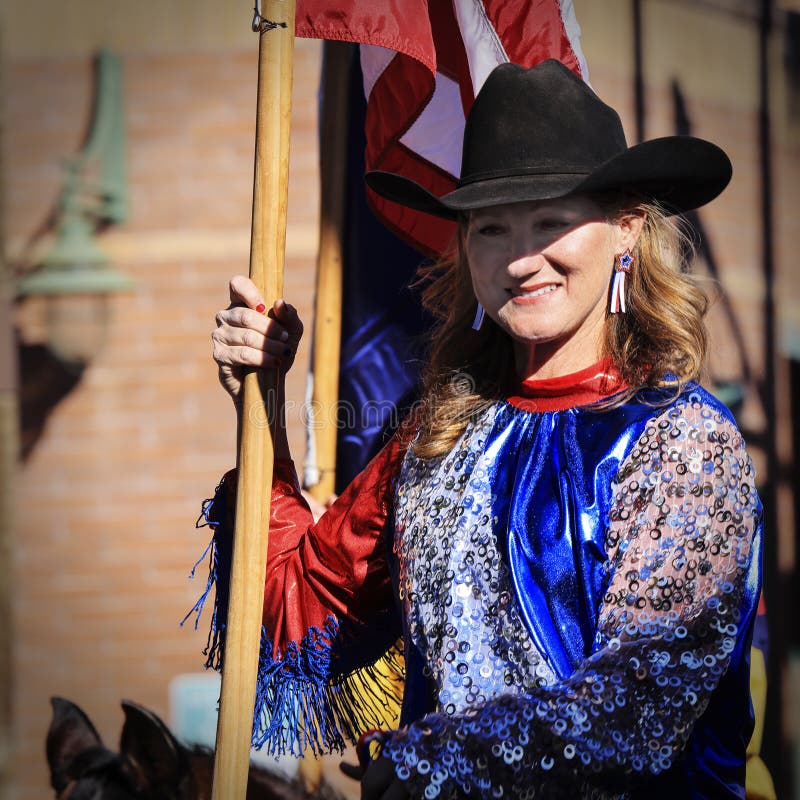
x=151 y=764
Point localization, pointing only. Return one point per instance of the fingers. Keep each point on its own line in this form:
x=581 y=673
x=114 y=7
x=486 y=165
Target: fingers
x=282 y=322
x=246 y=347
x=244 y=292
x=246 y=336
x=241 y=317
x=381 y=783
x=378 y=782
x=353 y=771
x=229 y=336
x=245 y=357
x=396 y=791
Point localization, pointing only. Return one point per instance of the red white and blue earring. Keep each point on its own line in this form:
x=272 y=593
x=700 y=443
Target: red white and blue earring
x=622 y=266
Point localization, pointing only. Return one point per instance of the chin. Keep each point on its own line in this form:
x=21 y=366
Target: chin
x=528 y=330
x=529 y=337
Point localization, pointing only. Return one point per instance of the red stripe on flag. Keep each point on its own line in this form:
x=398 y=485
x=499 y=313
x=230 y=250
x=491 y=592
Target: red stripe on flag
x=430 y=235
x=532 y=31
x=376 y=22
x=397 y=98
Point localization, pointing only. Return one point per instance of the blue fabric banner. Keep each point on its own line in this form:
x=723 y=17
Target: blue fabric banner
x=382 y=319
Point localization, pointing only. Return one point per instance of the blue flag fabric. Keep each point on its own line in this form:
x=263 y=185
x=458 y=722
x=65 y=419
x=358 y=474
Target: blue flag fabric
x=382 y=318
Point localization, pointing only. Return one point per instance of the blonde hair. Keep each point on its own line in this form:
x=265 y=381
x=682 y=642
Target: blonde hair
x=659 y=342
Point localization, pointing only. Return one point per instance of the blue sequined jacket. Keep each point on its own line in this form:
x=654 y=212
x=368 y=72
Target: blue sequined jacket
x=573 y=593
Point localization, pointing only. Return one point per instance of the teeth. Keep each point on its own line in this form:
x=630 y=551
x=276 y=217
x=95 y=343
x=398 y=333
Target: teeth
x=544 y=290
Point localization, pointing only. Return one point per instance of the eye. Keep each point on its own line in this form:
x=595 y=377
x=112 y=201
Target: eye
x=553 y=223
x=490 y=229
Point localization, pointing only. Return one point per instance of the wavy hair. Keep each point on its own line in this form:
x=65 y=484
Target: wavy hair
x=660 y=341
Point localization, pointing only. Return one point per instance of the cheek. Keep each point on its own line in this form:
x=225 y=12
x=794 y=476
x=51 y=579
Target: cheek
x=484 y=256
x=589 y=244
x=596 y=279
x=482 y=289
x=587 y=258
x=480 y=271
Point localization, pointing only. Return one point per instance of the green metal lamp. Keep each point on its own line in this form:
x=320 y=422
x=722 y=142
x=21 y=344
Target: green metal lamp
x=75 y=277
x=75 y=264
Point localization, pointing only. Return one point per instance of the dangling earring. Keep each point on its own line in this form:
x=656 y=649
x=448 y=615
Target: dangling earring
x=478 y=321
x=622 y=265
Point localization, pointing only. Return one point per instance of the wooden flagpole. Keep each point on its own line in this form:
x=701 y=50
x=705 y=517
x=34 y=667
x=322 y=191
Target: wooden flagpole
x=275 y=23
x=335 y=114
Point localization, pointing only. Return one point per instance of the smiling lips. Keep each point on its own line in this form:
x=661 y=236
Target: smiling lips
x=533 y=294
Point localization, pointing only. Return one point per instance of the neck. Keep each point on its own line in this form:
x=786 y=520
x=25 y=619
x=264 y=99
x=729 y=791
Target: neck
x=563 y=355
x=543 y=361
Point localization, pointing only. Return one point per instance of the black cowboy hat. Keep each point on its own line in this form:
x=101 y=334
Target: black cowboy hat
x=542 y=133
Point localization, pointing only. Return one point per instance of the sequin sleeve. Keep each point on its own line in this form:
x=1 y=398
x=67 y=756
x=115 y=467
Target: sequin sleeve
x=683 y=552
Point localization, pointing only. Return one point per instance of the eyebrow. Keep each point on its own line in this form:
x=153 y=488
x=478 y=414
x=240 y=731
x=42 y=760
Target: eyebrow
x=546 y=207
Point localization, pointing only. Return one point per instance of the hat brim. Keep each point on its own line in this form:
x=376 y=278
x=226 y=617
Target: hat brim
x=679 y=172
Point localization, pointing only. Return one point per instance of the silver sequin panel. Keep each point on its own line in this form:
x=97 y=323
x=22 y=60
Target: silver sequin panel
x=458 y=598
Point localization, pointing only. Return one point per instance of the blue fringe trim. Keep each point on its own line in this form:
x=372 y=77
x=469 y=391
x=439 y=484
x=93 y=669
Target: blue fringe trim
x=302 y=705
x=302 y=701
x=203 y=521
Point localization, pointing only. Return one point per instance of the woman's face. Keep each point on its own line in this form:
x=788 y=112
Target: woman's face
x=541 y=270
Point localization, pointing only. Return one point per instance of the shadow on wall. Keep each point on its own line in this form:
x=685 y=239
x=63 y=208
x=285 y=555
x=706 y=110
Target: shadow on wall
x=44 y=381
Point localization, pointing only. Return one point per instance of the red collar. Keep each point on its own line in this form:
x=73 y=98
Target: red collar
x=580 y=388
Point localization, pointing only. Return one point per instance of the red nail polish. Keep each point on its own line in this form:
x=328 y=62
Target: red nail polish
x=260 y=308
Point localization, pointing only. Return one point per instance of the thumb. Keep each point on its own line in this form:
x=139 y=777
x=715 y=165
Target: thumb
x=354 y=771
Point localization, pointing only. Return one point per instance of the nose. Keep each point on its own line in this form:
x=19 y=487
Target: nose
x=527 y=258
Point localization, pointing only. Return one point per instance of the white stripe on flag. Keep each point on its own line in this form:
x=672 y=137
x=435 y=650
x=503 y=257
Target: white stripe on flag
x=481 y=42
x=437 y=132
x=374 y=61
x=573 y=31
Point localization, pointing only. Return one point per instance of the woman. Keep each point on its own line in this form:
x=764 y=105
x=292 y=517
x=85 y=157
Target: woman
x=564 y=537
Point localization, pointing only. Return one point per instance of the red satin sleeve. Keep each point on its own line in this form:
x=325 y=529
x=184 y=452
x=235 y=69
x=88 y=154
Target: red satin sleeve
x=336 y=566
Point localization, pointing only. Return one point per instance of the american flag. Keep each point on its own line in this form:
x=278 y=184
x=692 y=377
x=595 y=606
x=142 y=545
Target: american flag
x=423 y=61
